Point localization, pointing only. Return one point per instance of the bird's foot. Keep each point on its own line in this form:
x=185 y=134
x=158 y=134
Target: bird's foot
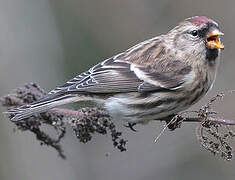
x=173 y=122
x=131 y=126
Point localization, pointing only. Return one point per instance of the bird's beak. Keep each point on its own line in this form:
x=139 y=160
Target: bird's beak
x=213 y=39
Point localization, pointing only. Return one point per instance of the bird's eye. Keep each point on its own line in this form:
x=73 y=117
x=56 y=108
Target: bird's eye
x=194 y=32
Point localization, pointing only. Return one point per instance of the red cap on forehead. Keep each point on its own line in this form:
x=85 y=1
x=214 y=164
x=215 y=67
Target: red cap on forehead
x=198 y=20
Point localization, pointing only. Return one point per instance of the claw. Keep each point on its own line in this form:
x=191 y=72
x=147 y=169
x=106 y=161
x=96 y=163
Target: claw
x=131 y=126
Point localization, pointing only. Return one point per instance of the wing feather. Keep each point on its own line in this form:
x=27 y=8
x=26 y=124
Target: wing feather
x=123 y=74
x=109 y=76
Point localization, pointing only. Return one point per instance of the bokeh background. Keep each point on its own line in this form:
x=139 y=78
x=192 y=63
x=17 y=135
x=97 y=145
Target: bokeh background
x=50 y=41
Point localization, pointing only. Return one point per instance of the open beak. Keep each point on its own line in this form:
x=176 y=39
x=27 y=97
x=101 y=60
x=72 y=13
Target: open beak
x=213 y=39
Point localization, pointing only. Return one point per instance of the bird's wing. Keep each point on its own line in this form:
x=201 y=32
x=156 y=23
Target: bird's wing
x=170 y=74
x=144 y=67
x=109 y=76
x=116 y=76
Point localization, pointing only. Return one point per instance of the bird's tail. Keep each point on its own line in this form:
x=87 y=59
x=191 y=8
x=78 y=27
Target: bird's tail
x=43 y=105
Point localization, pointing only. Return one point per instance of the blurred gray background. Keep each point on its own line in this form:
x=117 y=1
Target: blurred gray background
x=50 y=41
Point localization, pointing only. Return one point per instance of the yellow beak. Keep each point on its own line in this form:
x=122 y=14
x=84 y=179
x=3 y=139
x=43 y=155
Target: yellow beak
x=213 y=40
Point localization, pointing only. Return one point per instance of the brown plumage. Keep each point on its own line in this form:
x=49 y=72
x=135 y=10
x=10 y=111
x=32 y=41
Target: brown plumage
x=152 y=80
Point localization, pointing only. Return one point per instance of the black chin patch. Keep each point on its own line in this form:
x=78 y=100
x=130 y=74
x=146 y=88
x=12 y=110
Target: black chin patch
x=211 y=54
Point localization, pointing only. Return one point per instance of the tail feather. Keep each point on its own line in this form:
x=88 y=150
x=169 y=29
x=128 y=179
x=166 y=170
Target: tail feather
x=43 y=105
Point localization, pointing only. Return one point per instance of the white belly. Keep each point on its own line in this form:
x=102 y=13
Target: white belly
x=119 y=108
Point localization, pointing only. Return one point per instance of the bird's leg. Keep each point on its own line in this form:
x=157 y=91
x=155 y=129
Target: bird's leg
x=173 y=121
x=131 y=126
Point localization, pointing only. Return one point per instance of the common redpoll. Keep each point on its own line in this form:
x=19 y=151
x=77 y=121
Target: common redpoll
x=150 y=81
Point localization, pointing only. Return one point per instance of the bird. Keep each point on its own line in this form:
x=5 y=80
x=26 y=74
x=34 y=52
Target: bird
x=152 y=80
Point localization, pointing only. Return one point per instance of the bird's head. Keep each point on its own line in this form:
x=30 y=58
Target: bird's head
x=197 y=36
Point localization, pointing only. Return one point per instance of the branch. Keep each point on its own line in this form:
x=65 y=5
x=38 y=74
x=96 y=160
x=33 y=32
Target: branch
x=84 y=122
x=87 y=121
x=214 y=120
